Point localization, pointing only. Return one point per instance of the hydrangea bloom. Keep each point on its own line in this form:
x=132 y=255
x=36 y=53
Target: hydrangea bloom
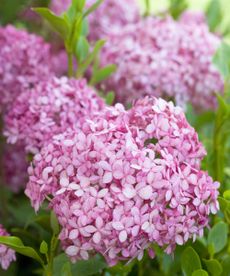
x=125 y=180
x=7 y=255
x=111 y=14
x=24 y=61
x=162 y=57
x=14 y=167
x=48 y=109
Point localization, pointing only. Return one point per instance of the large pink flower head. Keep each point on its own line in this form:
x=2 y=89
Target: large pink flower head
x=162 y=57
x=7 y=255
x=125 y=180
x=24 y=61
x=49 y=108
x=14 y=167
x=110 y=15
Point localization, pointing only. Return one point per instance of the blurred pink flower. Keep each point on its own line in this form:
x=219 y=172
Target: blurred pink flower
x=110 y=15
x=7 y=255
x=125 y=180
x=164 y=58
x=49 y=108
x=24 y=61
x=14 y=167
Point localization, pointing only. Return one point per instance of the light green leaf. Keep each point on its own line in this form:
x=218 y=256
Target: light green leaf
x=214 y=14
x=59 y=24
x=66 y=269
x=93 y=7
x=190 y=261
x=200 y=272
x=177 y=7
x=222 y=60
x=102 y=74
x=109 y=99
x=82 y=49
x=213 y=267
x=227 y=194
x=16 y=244
x=44 y=247
x=218 y=236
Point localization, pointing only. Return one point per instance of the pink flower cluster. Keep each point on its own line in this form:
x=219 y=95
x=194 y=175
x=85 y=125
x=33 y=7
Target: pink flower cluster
x=125 y=180
x=7 y=255
x=163 y=57
x=110 y=15
x=51 y=107
x=24 y=61
x=14 y=167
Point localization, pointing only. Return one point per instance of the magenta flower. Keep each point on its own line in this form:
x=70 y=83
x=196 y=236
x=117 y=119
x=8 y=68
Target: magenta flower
x=164 y=58
x=24 y=61
x=51 y=107
x=125 y=180
x=7 y=255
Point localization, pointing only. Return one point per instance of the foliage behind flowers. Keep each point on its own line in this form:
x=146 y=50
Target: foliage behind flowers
x=114 y=191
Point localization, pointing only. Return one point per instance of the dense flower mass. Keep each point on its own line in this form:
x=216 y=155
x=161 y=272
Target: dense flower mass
x=14 y=167
x=7 y=255
x=110 y=15
x=24 y=61
x=124 y=180
x=49 y=108
x=163 y=57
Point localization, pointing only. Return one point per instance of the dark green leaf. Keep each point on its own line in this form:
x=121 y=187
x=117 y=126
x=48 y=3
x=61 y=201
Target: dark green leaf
x=200 y=272
x=226 y=266
x=59 y=24
x=218 y=236
x=213 y=267
x=16 y=244
x=54 y=223
x=190 y=261
x=177 y=7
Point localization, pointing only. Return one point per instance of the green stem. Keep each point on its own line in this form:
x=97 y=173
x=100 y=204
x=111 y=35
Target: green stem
x=70 y=64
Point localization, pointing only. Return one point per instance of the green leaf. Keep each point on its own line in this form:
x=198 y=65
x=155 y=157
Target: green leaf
x=102 y=74
x=226 y=265
x=177 y=7
x=66 y=270
x=89 y=267
x=16 y=244
x=93 y=7
x=227 y=194
x=44 y=247
x=214 y=14
x=59 y=24
x=222 y=60
x=54 y=223
x=218 y=236
x=213 y=267
x=80 y=268
x=109 y=99
x=78 y=4
x=91 y=57
x=82 y=49
x=190 y=261
x=200 y=272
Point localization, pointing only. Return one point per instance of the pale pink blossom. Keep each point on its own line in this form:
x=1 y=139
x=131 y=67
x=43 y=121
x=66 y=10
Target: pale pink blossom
x=49 y=108
x=125 y=180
